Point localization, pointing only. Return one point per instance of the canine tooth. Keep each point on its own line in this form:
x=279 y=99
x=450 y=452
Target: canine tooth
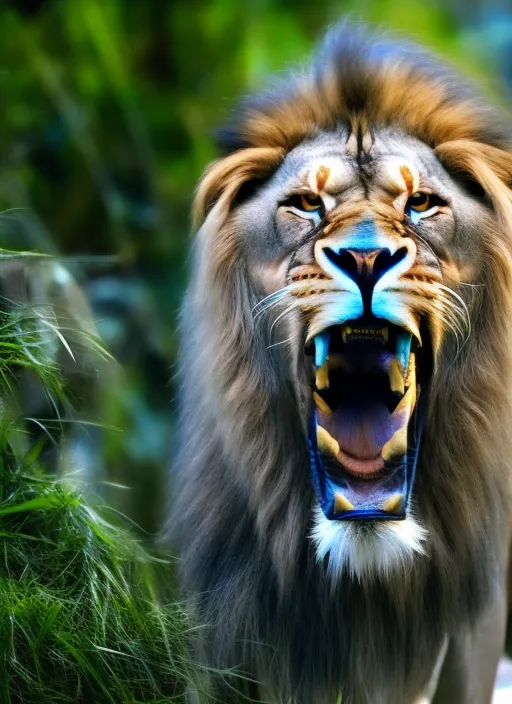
x=393 y=504
x=322 y=377
x=326 y=443
x=385 y=333
x=410 y=377
x=403 y=348
x=341 y=503
x=396 y=377
x=321 y=404
x=345 y=332
x=396 y=446
x=321 y=348
x=408 y=402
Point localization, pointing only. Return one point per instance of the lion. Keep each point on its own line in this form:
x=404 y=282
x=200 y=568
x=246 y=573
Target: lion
x=341 y=490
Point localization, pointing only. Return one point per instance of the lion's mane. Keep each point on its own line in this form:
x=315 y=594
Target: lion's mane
x=242 y=500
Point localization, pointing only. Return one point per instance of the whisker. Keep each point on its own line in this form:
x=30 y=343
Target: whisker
x=427 y=245
x=270 y=305
x=267 y=304
x=279 y=293
x=456 y=320
x=291 y=307
x=281 y=342
x=462 y=306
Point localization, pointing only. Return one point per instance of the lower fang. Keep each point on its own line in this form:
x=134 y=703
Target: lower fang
x=322 y=377
x=393 y=504
x=411 y=371
x=326 y=443
x=396 y=377
x=396 y=446
x=321 y=405
x=341 y=503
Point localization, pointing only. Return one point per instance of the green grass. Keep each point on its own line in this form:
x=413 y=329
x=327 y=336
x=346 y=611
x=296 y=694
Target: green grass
x=79 y=615
x=86 y=615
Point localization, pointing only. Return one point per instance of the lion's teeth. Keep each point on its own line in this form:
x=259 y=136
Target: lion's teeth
x=322 y=377
x=393 y=504
x=407 y=403
x=326 y=443
x=396 y=446
x=410 y=377
x=403 y=349
x=321 y=404
x=396 y=377
x=321 y=348
x=341 y=503
x=378 y=333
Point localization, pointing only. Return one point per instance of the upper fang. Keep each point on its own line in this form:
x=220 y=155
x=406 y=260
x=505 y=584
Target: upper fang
x=321 y=348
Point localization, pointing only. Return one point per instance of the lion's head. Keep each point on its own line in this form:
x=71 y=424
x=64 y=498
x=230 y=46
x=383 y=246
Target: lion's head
x=346 y=338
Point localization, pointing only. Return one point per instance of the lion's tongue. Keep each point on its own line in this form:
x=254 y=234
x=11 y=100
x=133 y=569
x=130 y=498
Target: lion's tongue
x=361 y=430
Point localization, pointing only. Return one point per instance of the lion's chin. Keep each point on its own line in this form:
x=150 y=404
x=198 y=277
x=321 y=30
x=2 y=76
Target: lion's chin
x=366 y=549
x=369 y=394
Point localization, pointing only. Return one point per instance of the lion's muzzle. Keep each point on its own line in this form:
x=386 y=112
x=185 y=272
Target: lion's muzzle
x=371 y=371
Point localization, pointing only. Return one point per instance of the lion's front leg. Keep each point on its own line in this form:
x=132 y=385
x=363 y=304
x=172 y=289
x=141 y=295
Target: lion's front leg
x=469 y=668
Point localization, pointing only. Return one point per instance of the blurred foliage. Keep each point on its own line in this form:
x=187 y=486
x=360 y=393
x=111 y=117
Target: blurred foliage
x=108 y=108
x=86 y=615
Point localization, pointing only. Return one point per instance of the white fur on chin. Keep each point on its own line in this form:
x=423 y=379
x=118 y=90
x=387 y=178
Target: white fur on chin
x=366 y=549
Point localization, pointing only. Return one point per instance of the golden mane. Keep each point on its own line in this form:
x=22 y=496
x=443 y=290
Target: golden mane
x=361 y=83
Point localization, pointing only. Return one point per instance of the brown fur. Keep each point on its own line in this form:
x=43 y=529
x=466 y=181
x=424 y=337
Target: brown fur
x=242 y=493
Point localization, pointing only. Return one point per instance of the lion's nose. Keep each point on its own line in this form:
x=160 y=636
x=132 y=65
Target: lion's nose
x=365 y=266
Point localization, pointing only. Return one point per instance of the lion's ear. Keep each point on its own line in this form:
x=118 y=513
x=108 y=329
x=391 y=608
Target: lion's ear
x=489 y=167
x=227 y=176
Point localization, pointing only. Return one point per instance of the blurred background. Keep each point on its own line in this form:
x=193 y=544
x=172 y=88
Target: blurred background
x=106 y=120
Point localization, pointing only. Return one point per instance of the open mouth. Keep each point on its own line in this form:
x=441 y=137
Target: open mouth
x=369 y=395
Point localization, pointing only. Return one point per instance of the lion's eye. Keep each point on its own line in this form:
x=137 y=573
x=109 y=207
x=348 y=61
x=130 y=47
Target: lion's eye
x=306 y=205
x=422 y=205
x=309 y=203
x=419 y=202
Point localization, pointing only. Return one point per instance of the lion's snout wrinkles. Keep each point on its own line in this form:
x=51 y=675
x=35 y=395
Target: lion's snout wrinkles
x=342 y=482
